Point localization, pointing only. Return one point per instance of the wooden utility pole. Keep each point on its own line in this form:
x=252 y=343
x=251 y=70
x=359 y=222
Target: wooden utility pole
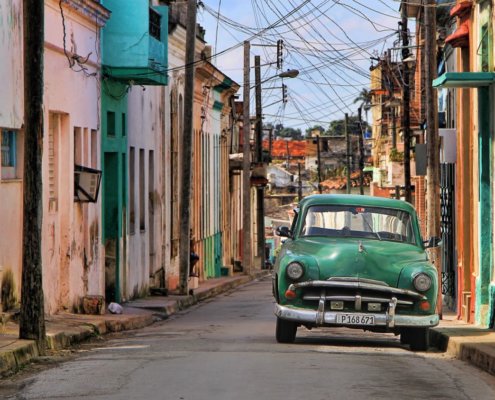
x=246 y=167
x=347 y=153
x=406 y=96
x=394 y=128
x=186 y=161
x=318 y=155
x=299 y=187
x=270 y=144
x=432 y=140
x=32 y=315
x=288 y=154
x=260 y=190
x=361 y=153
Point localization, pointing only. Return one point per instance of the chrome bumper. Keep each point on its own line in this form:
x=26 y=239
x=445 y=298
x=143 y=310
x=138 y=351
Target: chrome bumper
x=323 y=318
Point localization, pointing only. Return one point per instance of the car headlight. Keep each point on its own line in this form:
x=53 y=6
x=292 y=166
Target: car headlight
x=422 y=282
x=295 y=271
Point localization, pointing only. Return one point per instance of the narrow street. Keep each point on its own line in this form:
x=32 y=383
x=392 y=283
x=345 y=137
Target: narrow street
x=226 y=349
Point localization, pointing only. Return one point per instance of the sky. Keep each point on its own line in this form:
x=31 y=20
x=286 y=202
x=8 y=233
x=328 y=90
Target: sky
x=330 y=42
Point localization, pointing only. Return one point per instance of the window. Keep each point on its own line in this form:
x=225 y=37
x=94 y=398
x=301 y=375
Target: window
x=485 y=61
x=54 y=132
x=155 y=24
x=94 y=149
x=359 y=222
x=78 y=145
x=132 y=191
x=142 y=193
x=9 y=154
x=132 y=202
x=110 y=123
x=124 y=126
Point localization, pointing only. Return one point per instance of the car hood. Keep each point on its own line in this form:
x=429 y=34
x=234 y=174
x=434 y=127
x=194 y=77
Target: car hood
x=370 y=259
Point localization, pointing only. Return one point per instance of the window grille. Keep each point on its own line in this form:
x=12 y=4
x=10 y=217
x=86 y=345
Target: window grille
x=155 y=24
x=8 y=148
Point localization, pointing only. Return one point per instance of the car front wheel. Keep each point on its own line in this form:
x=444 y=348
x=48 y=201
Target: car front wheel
x=416 y=337
x=285 y=331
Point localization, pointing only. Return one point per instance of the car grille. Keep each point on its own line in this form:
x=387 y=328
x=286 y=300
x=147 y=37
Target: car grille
x=356 y=294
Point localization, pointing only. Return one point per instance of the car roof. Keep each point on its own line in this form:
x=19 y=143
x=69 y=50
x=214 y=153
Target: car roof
x=356 y=200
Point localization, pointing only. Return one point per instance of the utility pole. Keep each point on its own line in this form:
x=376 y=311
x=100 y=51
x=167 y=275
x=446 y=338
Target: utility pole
x=432 y=140
x=270 y=144
x=394 y=129
x=32 y=315
x=259 y=159
x=299 y=190
x=406 y=96
x=361 y=153
x=348 y=153
x=318 y=155
x=185 y=204
x=288 y=154
x=246 y=166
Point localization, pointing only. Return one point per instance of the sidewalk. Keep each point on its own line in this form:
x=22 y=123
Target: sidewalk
x=457 y=338
x=465 y=342
x=64 y=329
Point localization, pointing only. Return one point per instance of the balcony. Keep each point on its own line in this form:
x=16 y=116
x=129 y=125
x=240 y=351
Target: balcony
x=134 y=42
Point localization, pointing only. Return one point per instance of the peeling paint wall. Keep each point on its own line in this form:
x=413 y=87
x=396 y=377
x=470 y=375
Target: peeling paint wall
x=11 y=117
x=11 y=100
x=145 y=132
x=171 y=203
x=72 y=250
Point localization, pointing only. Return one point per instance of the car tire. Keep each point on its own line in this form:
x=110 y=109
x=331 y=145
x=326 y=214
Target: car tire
x=417 y=338
x=405 y=336
x=285 y=331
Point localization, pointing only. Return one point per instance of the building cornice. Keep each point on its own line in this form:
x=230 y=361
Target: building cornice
x=89 y=9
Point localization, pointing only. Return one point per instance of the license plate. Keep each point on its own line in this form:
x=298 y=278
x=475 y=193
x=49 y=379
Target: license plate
x=355 y=319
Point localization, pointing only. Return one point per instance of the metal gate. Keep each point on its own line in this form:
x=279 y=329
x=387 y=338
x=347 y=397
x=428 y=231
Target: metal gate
x=447 y=228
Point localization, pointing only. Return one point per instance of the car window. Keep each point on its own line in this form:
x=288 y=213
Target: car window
x=360 y=222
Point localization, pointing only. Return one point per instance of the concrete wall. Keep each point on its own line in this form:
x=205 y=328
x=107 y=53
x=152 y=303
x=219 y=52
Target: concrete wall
x=72 y=251
x=11 y=117
x=146 y=134
x=174 y=100
x=11 y=100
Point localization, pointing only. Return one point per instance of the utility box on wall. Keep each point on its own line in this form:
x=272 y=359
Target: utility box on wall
x=448 y=145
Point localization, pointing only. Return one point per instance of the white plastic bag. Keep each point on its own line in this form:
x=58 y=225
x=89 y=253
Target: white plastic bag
x=115 y=308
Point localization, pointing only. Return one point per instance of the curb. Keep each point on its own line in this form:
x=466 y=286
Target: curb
x=479 y=354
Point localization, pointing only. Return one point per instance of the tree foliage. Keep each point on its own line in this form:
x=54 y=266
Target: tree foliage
x=315 y=128
x=285 y=132
x=337 y=127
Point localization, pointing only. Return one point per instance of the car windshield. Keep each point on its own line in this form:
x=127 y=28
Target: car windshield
x=358 y=222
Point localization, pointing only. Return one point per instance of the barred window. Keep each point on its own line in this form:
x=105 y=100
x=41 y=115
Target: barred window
x=9 y=154
x=155 y=24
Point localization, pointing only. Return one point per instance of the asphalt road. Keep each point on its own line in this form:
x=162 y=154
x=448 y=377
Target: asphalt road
x=226 y=349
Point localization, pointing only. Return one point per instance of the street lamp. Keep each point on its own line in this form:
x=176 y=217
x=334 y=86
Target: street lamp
x=290 y=73
x=246 y=166
x=260 y=189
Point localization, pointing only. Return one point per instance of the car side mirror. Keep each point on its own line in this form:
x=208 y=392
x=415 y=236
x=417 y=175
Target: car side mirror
x=283 y=231
x=434 y=241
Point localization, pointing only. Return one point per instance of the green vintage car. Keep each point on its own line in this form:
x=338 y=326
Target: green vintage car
x=359 y=262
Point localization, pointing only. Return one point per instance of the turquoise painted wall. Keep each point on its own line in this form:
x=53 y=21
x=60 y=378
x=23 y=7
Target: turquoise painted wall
x=114 y=156
x=485 y=206
x=484 y=294
x=114 y=168
x=129 y=51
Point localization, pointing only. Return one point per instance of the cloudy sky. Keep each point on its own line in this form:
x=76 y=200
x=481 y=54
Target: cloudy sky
x=329 y=41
